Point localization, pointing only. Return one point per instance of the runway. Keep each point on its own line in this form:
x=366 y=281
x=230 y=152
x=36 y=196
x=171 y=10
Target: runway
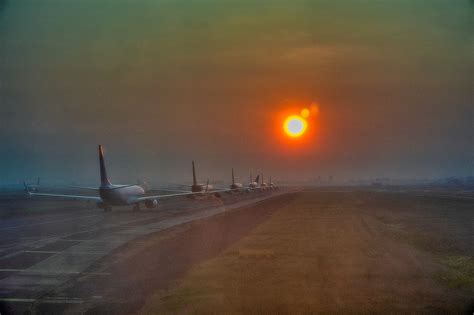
x=42 y=251
x=67 y=256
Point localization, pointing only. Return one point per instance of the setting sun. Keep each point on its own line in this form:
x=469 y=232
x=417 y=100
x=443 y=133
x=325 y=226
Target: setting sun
x=295 y=126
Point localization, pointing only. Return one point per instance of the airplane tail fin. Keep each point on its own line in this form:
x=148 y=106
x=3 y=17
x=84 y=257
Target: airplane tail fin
x=27 y=188
x=104 y=180
x=194 y=175
x=233 y=180
x=257 y=178
x=38 y=181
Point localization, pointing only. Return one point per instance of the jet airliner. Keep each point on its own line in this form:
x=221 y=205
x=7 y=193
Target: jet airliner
x=254 y=185
x=114 y=195
x=235 y=186
x=200 y=188
x=263 y=185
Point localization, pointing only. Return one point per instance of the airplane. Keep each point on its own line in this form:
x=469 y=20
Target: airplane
x=272 y=185
x=200 y=188
x=253 y=185
x=263 y=185
x=34 y=187
x=143 y=184
x=113 y=195
x=235 y=186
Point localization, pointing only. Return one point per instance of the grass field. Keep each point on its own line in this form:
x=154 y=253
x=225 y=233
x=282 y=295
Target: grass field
x=337 y=252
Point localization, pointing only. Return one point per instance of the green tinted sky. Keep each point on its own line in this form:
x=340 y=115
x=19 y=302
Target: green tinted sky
x=161 y=82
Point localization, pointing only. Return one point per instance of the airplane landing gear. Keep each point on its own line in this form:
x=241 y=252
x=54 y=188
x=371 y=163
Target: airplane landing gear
x=136 y=207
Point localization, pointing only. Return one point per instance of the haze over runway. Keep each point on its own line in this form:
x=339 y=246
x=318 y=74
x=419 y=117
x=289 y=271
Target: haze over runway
x=162 y=82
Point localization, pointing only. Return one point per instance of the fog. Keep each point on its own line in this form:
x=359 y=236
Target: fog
x=159 y=83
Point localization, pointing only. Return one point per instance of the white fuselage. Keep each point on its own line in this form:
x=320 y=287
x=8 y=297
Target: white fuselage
x=202 y=188
x=120 y=195
x=254 y=185
x=235 y=186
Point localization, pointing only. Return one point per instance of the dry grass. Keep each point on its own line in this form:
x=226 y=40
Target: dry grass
x=458 y=272
x=315 y=254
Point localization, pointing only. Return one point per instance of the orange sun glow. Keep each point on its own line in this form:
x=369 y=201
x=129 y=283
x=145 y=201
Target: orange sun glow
x=295 y=126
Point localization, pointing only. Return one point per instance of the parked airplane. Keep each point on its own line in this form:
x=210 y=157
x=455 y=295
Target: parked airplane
x=200 y=188
x=272 y=185
x=253 y=185
x=235 y=186
x=114 y=195
x=34 y=187
x=143 y=184
x=263 y=185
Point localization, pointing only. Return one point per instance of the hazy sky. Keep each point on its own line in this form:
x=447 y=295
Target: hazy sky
x=159 y=83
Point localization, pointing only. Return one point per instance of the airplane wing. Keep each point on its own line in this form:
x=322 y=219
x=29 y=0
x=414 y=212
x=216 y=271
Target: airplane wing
x=166 y=196
x=169 y=190
x=82 y=187
x=178 y=194
x=96 y=188
x=219 y=190
x=66 y=196
x=182 y=185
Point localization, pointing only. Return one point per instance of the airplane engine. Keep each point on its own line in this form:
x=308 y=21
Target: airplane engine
x=151 y=203
x=218 y=195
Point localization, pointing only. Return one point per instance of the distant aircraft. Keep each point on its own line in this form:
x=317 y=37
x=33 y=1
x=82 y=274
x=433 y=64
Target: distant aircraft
x=253 y=185
x=235 y=186
x=272 y=185
x=263 y=185
x=114 y=195
x=199 y=188
x=143 y=184
x=34 y=187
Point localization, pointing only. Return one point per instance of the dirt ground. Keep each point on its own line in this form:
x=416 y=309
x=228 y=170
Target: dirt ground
x=308 y=252
x=338 y=253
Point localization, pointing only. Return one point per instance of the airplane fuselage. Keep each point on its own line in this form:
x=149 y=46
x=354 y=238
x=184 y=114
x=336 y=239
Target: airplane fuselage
x=117 y=195
x=201 y=188
x=254 y=185
x=236 y=186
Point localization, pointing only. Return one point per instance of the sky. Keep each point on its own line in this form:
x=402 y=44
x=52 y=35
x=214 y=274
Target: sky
x=162 y=82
